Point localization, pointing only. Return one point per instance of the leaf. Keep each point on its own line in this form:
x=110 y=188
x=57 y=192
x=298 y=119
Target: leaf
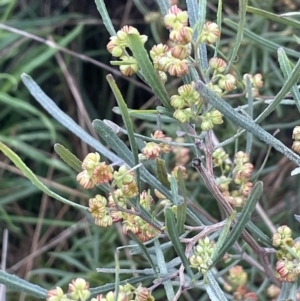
x=213 y=289
x=128 y=124
x=242 y=221
x=164 y=5
x=32 y=177
x=240 y=32
x=247 y=123
x=147 y=115
x=174 y=237
x=140 y=54
x=273 y=17
x=145 y=252
x=249 y=138
x=68 y=157
x=181 y=208
x=197 y=16
x=259 y=40
x=43 y=56
x=288 y=291
x=174 y=191
x=164 y=270
x=162 y=174
x=23 y=107
x=261 y=236
x=64 y=119
x=105 y=17
x=285 y=66
x=223 y=236
x=21 y=285
x=219 y=22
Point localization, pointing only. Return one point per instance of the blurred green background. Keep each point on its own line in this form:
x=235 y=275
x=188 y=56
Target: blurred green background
x=49 y=243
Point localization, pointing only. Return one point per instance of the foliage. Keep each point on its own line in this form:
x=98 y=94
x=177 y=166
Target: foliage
x=184 y=224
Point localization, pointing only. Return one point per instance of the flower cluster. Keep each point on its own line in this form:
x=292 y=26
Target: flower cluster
x=116 y=207
x=78 y=291
x=201 y=255
x=128 y=293
x=288 y=255
x=117 y=47
x=135 y=224
x=188 y=105
x=239 y=180
x=221 y=83
x=296 y=137
x=237 y=283
x=174 y=58
x=153 y=150
x=94 y=172
x=256 y=82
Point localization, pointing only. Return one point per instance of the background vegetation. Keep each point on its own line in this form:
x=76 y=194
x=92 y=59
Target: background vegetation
x=50 y=243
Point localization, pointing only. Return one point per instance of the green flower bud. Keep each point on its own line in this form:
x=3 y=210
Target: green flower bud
x=182 y=115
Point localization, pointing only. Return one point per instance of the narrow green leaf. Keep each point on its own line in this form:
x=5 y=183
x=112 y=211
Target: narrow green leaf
x=247 y=123
x=21 y=285
x=68 y=157
x=197 y=18
x=32 y=177
x=249 y=138
x=223 y=236
x=33 y=153
x=128 y=124
x=240 y=32
x=110 y=137
x=162 y=174
x=261 y=236
x=297 y=39
x=273 y=17
x=213 y=289
x=285 y=66
x=24 y=107
x=174 y=190
x=147 y=115
x=43 y=55
x=105 y=17
x=288 y=291
x=289 y=83
x=164 y=5
x=197 y=14
x=64 y=119
x=242 y=220
x=117 y=277
x=259 y=40
x=164 y=111
x=176 y=202
x=145 y=252
x=219 y=22
x=174 y=237
x=140 y=54
x=181 y=208
x=164 y=270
